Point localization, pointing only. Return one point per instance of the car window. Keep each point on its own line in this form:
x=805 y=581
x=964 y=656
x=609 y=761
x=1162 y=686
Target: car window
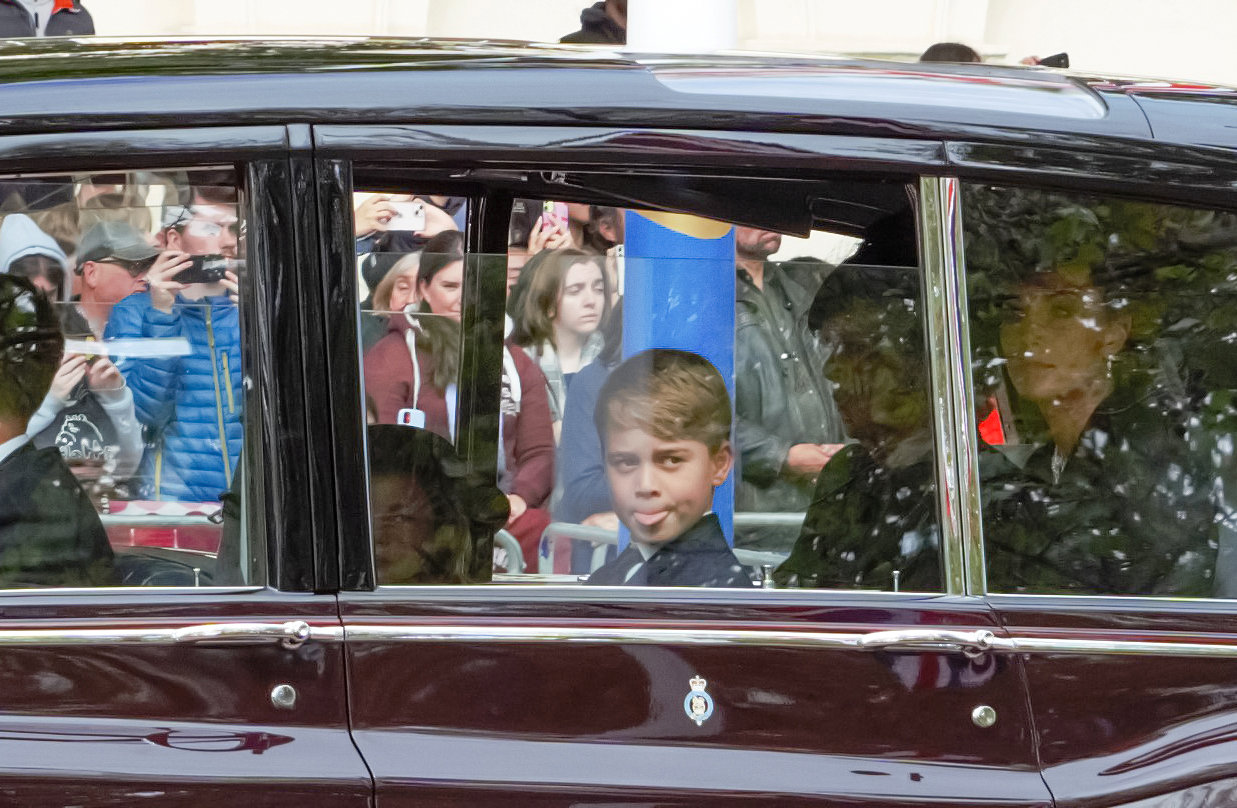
x=1103 y=333
x=126 y=470
x=653 y=430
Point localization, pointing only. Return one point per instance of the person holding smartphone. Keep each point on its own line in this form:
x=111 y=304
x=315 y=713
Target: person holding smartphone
x=88 y=411
x=189 y=404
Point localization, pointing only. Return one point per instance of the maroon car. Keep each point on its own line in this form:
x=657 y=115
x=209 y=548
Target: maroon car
x=959 y=530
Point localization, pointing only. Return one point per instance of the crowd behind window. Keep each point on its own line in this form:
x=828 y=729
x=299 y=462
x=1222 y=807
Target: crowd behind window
x=144 y=406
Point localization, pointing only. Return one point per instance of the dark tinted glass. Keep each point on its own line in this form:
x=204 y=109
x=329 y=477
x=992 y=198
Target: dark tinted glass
x=1104 y=333
x=749 y=410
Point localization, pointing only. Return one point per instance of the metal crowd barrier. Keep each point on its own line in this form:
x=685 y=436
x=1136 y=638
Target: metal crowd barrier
x=603 y=539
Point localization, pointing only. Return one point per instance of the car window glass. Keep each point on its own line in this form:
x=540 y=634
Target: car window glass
x=129 y=464
x=1103 y=333
x=789 y=446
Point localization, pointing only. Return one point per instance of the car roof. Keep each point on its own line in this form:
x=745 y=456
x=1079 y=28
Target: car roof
x=73 y=84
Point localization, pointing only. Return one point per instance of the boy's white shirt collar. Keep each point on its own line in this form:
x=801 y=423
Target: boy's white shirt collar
x=9 y=446
x=646 y=550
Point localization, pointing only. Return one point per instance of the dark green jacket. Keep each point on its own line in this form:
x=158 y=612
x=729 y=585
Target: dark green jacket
x=867 y=520
x=1134 y=510
x=781 y=395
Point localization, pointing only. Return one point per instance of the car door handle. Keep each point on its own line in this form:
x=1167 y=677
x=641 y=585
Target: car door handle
x=971 y=643
x=291 y=634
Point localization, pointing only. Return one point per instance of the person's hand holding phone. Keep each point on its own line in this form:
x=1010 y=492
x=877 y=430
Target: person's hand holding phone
x=70 y=374
x=103 y=377
x=554 y=236
x=232 y=284
x=373 y=215
x=160 y=279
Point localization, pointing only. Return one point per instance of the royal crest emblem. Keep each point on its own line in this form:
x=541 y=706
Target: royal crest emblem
x=699 y=704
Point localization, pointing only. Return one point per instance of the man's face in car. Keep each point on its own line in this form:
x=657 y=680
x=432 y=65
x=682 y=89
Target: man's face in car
x=212 y=230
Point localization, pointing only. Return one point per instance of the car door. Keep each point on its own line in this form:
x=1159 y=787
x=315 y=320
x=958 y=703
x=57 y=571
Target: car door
x=203 y=666
x=490 y=677
x=1110 y=566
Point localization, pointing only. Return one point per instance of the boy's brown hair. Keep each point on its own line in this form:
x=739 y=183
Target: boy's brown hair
x=668 y=393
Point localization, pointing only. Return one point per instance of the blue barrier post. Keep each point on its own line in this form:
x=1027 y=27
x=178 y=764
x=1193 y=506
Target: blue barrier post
x=678 y=292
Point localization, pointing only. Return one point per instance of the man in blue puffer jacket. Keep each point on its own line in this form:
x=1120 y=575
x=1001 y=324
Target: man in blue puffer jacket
x=190 y=403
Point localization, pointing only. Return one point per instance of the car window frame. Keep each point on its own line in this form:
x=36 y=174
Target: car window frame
x=1207 y=186
x=272 y=353
x=470 y=154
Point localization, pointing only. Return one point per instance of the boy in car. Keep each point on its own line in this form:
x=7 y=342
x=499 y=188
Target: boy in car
x=664 y=420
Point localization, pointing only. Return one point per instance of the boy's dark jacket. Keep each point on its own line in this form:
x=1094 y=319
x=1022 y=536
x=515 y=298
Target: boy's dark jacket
x=50 y=534
x=700 y=557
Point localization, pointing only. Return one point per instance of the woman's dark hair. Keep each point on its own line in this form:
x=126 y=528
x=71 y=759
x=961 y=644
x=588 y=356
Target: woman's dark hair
x=31 y=345
x=537 y=306
x=599 y=217
x=612 y=330
x=440 y=335
x=443 y=249
x=36 y=266
x=950 y=52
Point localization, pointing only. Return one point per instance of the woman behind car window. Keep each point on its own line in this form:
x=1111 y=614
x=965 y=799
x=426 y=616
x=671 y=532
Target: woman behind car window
x=558 y=318
x=411 y=376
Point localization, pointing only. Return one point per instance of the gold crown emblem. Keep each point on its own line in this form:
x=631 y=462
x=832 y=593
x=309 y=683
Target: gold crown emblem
x=697 y=683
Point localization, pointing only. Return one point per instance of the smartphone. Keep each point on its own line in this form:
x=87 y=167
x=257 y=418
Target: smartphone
x=204 y=269
x=553 y=214
x=408 y=216
x=1055 y=60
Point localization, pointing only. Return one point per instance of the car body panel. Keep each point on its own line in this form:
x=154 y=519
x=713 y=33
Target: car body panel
x=112 y=722
x=1117 y=728
x=573 y=720
x=555 y=696
x=108 y=82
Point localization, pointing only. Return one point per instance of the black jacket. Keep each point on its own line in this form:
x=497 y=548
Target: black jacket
x=700 y=557
x=50 y=534
x=66 y=20
x=597 y=29
x=868 y=519
x=781 y=396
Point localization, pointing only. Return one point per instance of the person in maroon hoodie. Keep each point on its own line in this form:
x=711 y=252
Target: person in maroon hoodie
x=410 y=375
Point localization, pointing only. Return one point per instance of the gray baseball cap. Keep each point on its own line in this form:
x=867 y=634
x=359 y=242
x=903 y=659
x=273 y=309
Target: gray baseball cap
x=114 y=240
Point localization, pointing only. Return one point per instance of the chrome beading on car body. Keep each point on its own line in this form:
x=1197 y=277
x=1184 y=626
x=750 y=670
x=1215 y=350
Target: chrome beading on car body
x=968 y=642
x=291 y=634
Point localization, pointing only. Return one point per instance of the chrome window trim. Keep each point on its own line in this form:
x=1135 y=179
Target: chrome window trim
x=1164 y=604
x=937 y=215
x=111 y=591
x=580 y=593
x=966 y=426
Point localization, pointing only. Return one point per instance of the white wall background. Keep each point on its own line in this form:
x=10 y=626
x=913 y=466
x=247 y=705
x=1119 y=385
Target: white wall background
x=1189 y=39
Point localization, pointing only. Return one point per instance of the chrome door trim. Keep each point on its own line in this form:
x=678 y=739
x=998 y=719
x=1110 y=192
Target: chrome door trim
x=954 y=426
x=291 y=634
x=931 y=640
x=940 y=290
x=966 y=427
